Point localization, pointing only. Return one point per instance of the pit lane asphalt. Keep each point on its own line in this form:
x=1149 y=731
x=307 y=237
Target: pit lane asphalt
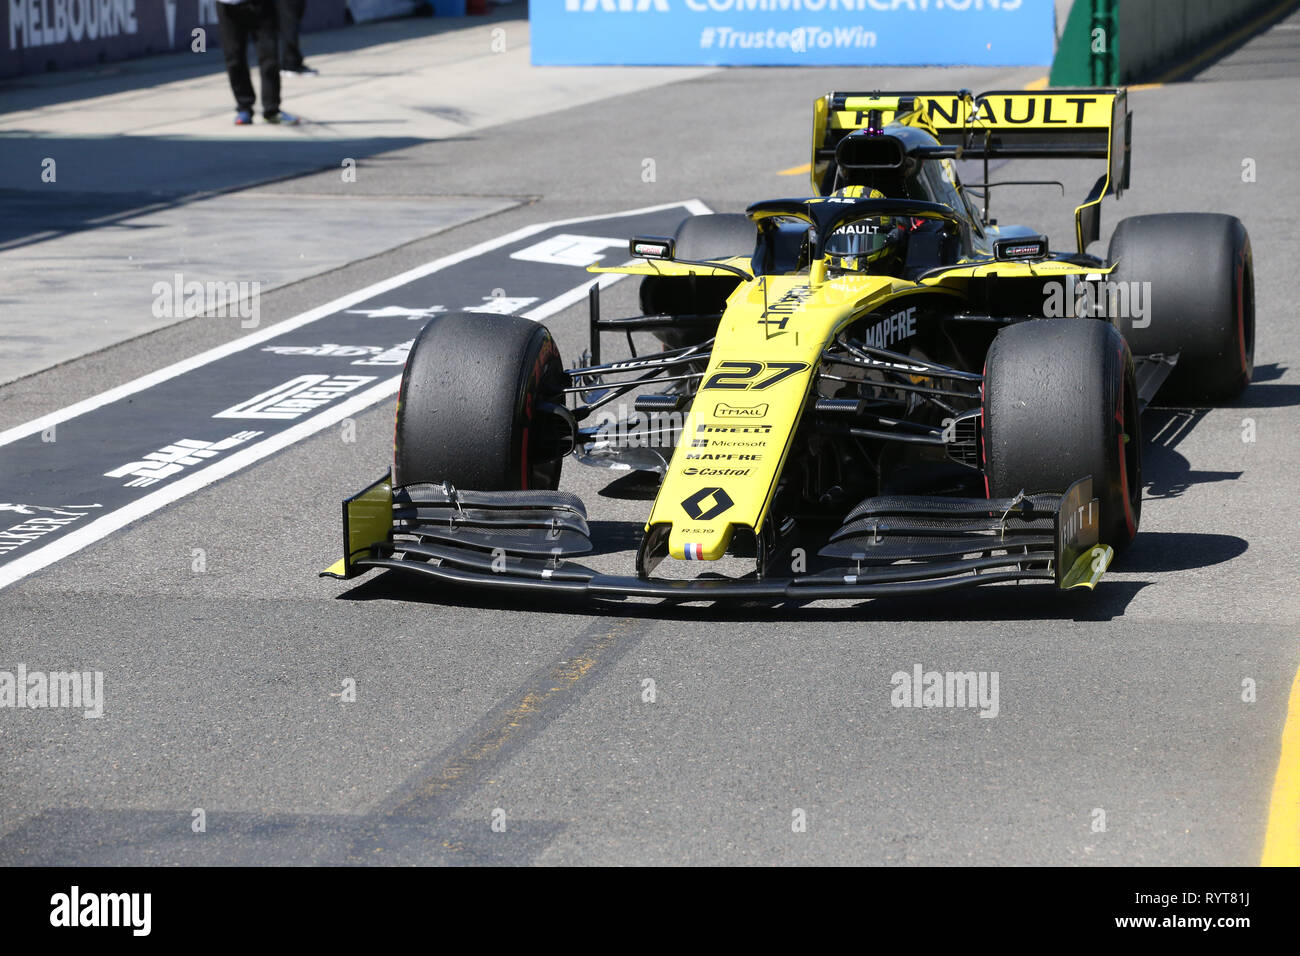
x=220 y=686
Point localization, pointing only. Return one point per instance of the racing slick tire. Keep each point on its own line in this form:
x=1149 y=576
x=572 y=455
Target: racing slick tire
x=711 y=236
x=1201 y=299
x=1060 y=404
x=471 y=406
x=716 y=235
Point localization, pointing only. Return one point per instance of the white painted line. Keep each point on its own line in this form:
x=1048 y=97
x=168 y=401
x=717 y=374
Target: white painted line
x=103 y=526
x=573 y=296
x=238 y=345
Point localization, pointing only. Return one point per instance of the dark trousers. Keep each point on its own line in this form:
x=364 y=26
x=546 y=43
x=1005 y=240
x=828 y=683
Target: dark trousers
x=239 y=22
x=290 y=12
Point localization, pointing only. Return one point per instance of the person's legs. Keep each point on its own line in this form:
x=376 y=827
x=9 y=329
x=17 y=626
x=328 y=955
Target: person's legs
x=290 y=17
x=232 y=24
x=268 y=53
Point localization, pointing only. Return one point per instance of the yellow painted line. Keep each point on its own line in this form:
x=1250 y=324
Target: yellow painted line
x=1038 y=84
x=1143 y=86
x=563 y=676
x=1234 y=37
x=1282 y=839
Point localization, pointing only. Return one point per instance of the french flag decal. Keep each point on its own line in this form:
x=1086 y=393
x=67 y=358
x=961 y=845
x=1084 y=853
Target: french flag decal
x=694 y=551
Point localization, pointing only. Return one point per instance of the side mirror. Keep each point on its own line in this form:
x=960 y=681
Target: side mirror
x=1025 y=247
x=651 y=247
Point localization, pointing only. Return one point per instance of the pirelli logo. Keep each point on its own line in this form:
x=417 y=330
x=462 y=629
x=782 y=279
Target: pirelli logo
x=296 y=397
x=733 y=429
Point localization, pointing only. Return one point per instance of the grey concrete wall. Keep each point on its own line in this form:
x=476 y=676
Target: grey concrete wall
x=1156 y=33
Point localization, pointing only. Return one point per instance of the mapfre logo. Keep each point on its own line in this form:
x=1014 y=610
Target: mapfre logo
x=616 y=6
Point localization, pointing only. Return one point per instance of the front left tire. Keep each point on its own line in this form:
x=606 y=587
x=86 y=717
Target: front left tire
x=473 y=406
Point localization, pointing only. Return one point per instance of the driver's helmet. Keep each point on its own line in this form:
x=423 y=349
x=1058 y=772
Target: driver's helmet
x=867 y=245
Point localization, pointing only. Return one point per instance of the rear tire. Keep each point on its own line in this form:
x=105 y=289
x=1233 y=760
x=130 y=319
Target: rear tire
x=468 y=411
x=718 y=235
x=1201 y=299
x=1060 y=405
x=712 y=236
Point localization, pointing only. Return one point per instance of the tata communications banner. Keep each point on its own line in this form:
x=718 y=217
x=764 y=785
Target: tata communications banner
x=793 y=32
x=41 y=35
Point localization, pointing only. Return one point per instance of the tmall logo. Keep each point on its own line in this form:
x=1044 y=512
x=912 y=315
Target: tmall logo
x=723 y=410
x=616 y=6
x=707 y=503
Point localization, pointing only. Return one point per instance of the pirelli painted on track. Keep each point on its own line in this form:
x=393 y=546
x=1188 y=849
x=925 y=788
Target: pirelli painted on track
x=72 y=477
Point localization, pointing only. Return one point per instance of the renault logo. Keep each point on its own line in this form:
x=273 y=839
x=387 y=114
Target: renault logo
x=707 y=503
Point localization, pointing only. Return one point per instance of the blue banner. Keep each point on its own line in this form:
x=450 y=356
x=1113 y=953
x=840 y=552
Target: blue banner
x=793 y=32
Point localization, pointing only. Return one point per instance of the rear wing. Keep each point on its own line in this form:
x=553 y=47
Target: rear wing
x=1000 y=124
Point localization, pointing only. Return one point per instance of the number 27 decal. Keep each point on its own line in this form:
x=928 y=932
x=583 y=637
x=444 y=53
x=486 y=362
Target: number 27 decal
x=742 y=374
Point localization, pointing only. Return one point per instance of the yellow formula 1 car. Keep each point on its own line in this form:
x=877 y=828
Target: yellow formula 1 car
x=873 y=390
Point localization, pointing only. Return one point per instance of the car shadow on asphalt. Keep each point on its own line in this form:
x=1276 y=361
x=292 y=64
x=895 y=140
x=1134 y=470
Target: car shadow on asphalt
x=1166 y=472
x=634 y=486
x=1268 y=396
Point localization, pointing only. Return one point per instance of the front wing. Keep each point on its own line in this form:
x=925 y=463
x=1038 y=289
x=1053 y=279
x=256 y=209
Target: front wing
x=527 y=541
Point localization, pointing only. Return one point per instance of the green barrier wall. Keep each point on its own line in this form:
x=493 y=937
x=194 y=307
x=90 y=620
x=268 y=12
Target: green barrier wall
x=1108 y=42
